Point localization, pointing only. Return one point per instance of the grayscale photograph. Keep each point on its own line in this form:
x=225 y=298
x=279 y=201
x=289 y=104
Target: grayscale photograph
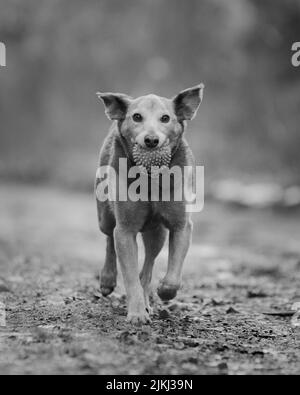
x=149 y=190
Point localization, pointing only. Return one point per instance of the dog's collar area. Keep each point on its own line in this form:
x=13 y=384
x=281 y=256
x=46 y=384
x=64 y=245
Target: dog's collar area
x=124 y=144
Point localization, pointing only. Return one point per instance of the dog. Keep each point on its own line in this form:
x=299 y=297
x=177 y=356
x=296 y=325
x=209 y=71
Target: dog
x=149 y=124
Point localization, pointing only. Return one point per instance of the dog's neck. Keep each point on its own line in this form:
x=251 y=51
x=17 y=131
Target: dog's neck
x=122 y=140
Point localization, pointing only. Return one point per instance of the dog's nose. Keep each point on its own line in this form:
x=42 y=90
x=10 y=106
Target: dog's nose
x=151 y=141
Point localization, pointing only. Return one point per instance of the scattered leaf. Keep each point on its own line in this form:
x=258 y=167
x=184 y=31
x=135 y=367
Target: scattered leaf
x=231 y=310
x=164 y=314
x=282 y=313
x=256 y=294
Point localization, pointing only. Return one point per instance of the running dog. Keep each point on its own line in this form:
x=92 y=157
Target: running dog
x=146 y=131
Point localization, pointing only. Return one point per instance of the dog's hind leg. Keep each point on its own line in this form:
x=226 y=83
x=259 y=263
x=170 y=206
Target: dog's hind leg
x=108 y=278
x=153 y=240
x=178 y=247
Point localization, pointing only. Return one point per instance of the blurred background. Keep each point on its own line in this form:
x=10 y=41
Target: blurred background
x=59 y=53
x=241 y=284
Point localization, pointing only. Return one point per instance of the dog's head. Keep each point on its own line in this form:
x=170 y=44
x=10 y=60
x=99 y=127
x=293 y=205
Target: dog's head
x=152 y=122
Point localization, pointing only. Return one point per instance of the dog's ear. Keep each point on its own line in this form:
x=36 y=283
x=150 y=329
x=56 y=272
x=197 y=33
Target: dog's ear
x=187 y=102
x=116 y=105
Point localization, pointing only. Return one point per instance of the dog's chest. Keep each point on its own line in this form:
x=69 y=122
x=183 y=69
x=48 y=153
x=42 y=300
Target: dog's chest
x=153 y=217
x=169 y=214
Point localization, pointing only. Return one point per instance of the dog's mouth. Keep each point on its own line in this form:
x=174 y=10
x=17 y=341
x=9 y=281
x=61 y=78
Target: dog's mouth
x=154 y=158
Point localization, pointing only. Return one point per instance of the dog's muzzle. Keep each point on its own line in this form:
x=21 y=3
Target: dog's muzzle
x=152 y=159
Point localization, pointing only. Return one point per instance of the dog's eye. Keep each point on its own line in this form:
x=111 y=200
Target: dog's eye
x=137 y=117
x=165 y=119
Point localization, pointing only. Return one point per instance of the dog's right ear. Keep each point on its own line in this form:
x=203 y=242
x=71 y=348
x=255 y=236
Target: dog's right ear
x=116 y=105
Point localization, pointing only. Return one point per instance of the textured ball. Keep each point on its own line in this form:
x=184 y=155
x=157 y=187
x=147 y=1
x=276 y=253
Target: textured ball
x=152 y=159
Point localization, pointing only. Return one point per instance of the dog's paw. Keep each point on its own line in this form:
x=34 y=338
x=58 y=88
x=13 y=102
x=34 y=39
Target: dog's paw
x=107 y=285
x=138 y=318
x=106 y=291
x=167 y=291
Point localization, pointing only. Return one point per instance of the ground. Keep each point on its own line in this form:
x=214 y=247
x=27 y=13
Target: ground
x=232 y=315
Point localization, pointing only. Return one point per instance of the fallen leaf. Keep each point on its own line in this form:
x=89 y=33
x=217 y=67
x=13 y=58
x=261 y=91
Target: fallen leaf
x=256 y=294
x=163 y=314
x=231 y=310
x=283 y=313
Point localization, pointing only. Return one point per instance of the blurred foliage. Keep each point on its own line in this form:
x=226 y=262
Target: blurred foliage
x=60 y=52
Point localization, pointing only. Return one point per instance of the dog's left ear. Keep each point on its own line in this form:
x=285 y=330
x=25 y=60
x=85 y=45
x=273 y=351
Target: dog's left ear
x=116 y=105
x=187 y=102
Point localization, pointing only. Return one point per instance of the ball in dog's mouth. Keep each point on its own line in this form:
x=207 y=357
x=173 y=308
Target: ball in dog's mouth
x=151 y=159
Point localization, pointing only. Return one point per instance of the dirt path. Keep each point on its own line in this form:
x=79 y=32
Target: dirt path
x=243 y=264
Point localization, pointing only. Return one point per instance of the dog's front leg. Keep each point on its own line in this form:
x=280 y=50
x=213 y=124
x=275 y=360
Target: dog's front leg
x=127 y=251
x=179 y=243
